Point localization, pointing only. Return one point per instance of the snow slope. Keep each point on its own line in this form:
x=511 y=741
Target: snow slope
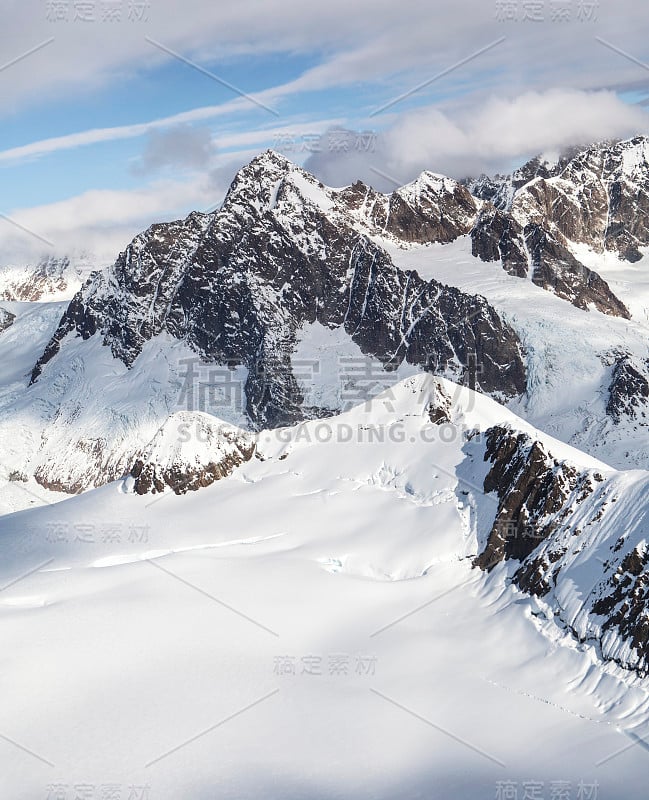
x=310 y=626
x=19 y=429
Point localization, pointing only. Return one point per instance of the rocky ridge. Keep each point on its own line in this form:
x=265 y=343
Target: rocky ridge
x=283 y=252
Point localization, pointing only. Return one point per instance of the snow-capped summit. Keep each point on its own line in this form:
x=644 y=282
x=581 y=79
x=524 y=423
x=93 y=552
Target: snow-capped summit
x=190 y=451
x=329 y=582
x=193 y=395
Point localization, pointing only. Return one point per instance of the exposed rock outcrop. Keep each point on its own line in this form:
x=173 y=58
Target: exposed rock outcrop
x=629 y=391
x=431 y=209
x=578 y=540
x=625 y=603
x=600 y=198
x=498 y=237
x=6 y=319
x=556 y=269
x=189 y=452
x=532 y=489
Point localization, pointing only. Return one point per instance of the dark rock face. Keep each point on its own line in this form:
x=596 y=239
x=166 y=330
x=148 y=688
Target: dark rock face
x=151 y=478
x=538 y=522
x=6 y=319
x=600 y=197
x=439 y=411
x=628 y=227
x=625 y=604
x=629 y=391
x=549 y=513
x=574 y=207
x=238 y=284
x=432 y=209
x=532 y=488
x=498 y=237
x=555 y=268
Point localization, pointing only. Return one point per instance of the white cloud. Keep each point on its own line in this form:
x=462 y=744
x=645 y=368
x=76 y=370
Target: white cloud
x=395 y=45
x=182 y=147
x=72 y=141
x=120 y=132
x=488 y=137
x=104 y=221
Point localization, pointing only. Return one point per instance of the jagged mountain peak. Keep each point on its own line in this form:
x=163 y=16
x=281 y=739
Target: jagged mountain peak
x=613 y=158
x=600 y=198
x=433 y=180
x=241 y=285
x=271 y=182
x=621 y=156
x=272 y=157
x=595 y=196
x=266 y=167
x=433 y=187
x=269 y=179
x=287 y=260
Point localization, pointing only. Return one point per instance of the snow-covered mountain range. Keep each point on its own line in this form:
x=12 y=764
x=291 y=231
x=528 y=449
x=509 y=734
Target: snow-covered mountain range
x=258 y=293
x=368 y=395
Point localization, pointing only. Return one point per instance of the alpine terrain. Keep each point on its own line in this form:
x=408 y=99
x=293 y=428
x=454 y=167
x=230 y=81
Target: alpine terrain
x=333 y=493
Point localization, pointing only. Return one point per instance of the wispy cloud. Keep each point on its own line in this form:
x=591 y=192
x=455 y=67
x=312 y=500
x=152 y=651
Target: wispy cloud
x=119 y=132
x=103 y=221
x=182 y=147
x=245 y=137
x=489 y=137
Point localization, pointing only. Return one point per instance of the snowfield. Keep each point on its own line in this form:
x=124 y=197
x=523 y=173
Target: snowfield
x=310 y=626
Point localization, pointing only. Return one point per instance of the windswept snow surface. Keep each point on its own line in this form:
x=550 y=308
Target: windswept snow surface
x=309 y=627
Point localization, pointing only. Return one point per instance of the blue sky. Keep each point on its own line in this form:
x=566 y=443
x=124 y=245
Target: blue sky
x=483 y=85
